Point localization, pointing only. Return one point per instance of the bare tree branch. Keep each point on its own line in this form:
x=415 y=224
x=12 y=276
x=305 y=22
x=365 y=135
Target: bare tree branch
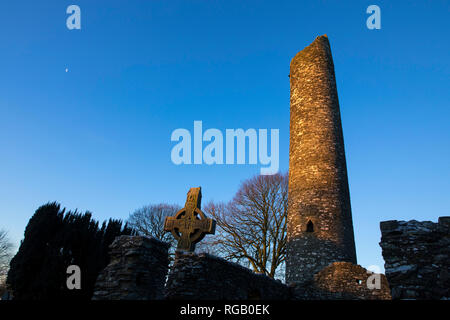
x=252 y=227
x=149 y=221
x=5 y=255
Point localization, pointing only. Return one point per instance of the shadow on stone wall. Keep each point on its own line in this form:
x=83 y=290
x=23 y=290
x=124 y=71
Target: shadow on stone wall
x=206 y=277
x=139 y=268
x=417 y=258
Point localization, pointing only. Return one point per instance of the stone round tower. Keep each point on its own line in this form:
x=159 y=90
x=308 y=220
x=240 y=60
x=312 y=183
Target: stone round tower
x=320 y=228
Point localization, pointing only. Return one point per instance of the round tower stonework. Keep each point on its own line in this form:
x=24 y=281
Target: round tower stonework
x=320 y=228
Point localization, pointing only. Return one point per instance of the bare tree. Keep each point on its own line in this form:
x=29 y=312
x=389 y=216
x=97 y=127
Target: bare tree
x=5 y=257
x=149 y=221
x=251 y=229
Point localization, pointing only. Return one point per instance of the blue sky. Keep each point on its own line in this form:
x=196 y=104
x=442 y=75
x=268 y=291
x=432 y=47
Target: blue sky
x=98 y=136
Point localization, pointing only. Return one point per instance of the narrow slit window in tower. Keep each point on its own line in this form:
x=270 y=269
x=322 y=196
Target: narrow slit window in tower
x=309 y=226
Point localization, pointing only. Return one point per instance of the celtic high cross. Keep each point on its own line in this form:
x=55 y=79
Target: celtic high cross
x=190 y=225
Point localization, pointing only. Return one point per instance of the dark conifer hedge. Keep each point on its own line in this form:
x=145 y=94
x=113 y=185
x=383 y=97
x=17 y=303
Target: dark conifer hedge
x=55 y=240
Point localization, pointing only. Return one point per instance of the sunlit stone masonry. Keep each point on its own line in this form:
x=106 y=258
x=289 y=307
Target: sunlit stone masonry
x=320 y=228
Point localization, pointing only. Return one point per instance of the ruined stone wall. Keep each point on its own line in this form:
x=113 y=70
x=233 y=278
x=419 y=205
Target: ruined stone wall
x=137 y=270
x=343 y=281
x=319 y=199
x=417 y=258
x=139 y=266
x=206 y=277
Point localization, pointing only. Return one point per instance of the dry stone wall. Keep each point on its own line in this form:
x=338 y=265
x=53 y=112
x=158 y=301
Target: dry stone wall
x=206 y=277
x=139 y=266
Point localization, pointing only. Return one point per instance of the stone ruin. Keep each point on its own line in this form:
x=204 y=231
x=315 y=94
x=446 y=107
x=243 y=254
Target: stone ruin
x=344 y=281
x=416 y=254
x=206 y=277
x=321 y=254
x=139 y=268
x=320 y=226
x=417 y=258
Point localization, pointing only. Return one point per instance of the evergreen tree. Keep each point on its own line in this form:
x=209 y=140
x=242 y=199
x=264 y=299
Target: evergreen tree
x=55 y=240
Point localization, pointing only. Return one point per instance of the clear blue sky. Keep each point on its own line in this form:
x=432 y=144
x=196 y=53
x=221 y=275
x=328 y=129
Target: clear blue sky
x=98 y=136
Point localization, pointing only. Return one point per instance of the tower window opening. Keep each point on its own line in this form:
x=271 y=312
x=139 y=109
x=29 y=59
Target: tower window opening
x=139 y=279
x=309 y=226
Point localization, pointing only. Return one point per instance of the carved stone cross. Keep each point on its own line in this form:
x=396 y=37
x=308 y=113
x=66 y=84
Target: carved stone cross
x=190 y=225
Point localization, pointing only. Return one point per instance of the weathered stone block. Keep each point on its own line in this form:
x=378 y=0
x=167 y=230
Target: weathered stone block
x=137 y=270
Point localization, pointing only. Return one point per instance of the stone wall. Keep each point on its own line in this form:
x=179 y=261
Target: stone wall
x=320 y=228
x=206 y=277
x=137 y=270
x=139 y=265
x=417 y=258
x=344 y=281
